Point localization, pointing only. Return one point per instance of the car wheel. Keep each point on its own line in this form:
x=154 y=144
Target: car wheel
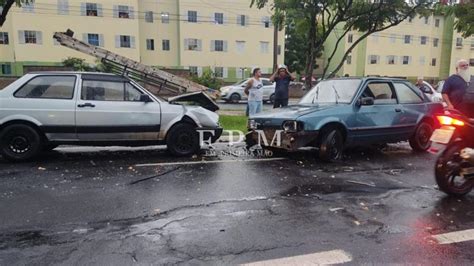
x=182 y=140
x=235 y=98
x=421 y=139
x=332 y=146
x=19 y=142
x=272 y=98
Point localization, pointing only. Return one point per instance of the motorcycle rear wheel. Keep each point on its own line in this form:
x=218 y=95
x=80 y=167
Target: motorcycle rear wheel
x=447 y=171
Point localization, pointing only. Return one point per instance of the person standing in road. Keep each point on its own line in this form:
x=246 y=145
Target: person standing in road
x=455 y=88
x=254 y=90
x=282 y=79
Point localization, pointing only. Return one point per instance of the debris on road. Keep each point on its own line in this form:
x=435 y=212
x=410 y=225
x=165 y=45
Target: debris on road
x=154 y=176
x=361 y=183
x=336 y=209
x=41 y=168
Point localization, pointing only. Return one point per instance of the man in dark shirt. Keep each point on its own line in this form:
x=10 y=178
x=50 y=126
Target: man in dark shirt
x=282 y=79
x=455 y=88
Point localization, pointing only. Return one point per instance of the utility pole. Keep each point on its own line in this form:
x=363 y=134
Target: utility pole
x=275 y=44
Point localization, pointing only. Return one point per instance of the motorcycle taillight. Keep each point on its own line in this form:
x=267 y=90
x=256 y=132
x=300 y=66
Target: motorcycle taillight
x=449 y=121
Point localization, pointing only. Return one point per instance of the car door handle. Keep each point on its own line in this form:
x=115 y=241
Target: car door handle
x=86 y=105
x=398 y=110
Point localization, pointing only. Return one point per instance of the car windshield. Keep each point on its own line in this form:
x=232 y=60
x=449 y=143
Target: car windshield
x=332 y=91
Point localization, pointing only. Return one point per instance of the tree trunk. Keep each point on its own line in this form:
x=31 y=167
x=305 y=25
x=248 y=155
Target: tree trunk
x=310 y=53
x=6 y=8
x=275 y=47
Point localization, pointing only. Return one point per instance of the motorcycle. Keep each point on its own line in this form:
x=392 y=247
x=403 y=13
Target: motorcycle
x=454 y=143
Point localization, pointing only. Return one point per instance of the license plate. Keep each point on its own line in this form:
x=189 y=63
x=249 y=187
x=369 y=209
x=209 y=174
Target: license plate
x=442 y=135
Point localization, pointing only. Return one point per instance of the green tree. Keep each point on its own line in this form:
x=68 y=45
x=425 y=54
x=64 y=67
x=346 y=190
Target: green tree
x=464 y=14
x=323 y=17
x=78 y=64
x=7 y=4
x=208 y=79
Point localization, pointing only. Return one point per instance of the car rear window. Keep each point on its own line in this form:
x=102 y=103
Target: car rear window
x=48 y=87
x=406 y=94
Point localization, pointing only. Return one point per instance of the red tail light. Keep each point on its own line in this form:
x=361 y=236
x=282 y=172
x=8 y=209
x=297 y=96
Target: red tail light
x=449 y=121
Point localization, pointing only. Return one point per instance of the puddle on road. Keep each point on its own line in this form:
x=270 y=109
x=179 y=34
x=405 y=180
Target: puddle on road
x=309 y=189
x=24 y=238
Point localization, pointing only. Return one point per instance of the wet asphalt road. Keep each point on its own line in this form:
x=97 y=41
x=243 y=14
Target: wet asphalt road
x=126 y=206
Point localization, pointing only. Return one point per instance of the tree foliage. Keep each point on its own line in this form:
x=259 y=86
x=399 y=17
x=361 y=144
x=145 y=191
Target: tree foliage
x=464 y=14
x=78 y=64
x=323 y=17
x=208 y=79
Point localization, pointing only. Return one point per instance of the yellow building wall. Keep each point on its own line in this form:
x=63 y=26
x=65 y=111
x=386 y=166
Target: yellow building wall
x=466 y=51
x=47 y=20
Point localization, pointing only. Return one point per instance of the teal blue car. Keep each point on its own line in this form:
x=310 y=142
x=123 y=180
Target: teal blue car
x=344 y=112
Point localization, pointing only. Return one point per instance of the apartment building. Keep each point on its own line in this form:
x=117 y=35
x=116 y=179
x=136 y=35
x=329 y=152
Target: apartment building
x=427 y=47
x=226 y=36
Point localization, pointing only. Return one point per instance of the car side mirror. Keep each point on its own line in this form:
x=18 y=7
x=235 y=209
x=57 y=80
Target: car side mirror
x=366 y=101
x=426 y=90
x=145 y=98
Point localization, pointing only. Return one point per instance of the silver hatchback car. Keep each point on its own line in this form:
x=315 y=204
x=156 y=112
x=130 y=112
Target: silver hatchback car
x=42 y=110
x=235 y=93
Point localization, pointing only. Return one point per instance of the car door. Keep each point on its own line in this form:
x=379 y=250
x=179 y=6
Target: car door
x=268 y=89
x=109 y=109
x=378 y=122
x=413 y=105
x=48 y=99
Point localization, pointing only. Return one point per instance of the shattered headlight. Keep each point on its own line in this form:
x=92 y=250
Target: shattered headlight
x=292 y=126
x=252 y=124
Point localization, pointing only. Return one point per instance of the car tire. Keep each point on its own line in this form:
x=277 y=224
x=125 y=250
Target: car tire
x=332 y=146
x=272 y=98
x=182 y=140
x=235 y=98
x=20 y=142
x=420 y=141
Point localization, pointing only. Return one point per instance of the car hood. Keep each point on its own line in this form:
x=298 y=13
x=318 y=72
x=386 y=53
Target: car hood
x=292 y=112
x=195 y=98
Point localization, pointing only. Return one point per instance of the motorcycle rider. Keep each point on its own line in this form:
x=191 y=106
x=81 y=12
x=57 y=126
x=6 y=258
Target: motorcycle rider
x=455 y=88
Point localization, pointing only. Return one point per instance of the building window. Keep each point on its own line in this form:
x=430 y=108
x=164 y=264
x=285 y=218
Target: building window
x=350 y=38
x=123 y=12
x=472 y=43
x=192 y=16
x=373 y=59
x=4 y=38
x=423 y=40
x=264 y=47
x=219 y=18
x=165 y=17
x=410 y=19
x=6 y=69
x=218 y=46
x=28 y=7
x=435 y=42
x=63 y=7
x=91 y=10
x=406 y=60
x=458 y=42
x=150 y=44
x=192 y=44
x=240 y=46
x=149 y=16
x=241 y=20
x=93 y=39
x=407 y=39
x=219 y=72
x=391 y=60
x=125 y=41
x=427 y=20
x=422 y=60
x=471 y=62
x=349 y=59
x=393 y=38
x=30 y=36
x=266 y=22
x=437 y=22
x=433 y=61
x=278 y=49
x=193 y=71
x=165 y=45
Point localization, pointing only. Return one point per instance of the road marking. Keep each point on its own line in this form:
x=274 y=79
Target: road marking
x=210 y=162
x=455 y=237
x=321 y=258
